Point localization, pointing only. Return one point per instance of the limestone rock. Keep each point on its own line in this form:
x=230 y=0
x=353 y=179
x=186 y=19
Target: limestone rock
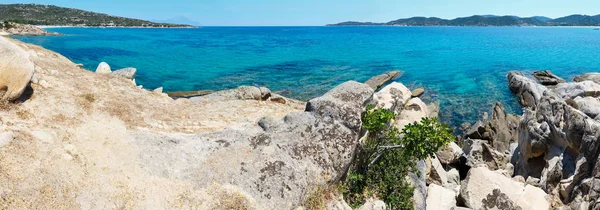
x=449 y=154
x=16 y=70
x=528 y=91
x=127 y=73
x=439 y=197
x=547 y=78
x=380 y=80
x=579 y=89
x=393 y=97
x=418 y=92
x=103 y=68
x=485 y=189
x=594 y=77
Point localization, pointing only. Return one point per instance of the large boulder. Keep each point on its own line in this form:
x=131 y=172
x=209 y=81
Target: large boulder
x=16 y=70
x=548 y=78
x=103 y=68
x=127 y=73
x=588 y=105
x=278 y=166
x=528 y=91
x=485 y=189
x=393 y=97
x=503 y=128
x=440 y=198
x=594 y=77
x=579 y=89
x=380 y=80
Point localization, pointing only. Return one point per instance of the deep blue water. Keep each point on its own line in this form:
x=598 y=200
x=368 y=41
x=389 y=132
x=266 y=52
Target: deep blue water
x=464 y=68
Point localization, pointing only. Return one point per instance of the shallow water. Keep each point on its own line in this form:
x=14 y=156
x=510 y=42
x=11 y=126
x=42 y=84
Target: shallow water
x=464 y=68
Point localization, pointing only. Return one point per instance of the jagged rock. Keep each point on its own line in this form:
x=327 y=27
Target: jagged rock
x=393 y=97
x=579 y=89
x=588 y=105
x=449 y=154
x=127 y=73
x=476 y=131
x=103 y=68
x=417 y=181
x=480 y=153
x=380 y=80
x=504 y=129
x=594 y=77
x=158 y=90
x=547 y=78
x=439 y=197
x=528 y=91
x=373 y=205
x=16 y=70
x=552 y=174
x=485 y=189
x=413 y=111
x=437 y=174
x=418 y=92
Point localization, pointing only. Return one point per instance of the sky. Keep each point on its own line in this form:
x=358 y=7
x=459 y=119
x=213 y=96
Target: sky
x=319 y=12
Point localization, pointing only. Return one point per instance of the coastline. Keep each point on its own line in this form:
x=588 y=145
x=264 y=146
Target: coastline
x=141 y=27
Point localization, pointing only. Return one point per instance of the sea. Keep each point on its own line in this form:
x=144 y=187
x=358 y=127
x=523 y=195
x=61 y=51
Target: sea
x=462 y=68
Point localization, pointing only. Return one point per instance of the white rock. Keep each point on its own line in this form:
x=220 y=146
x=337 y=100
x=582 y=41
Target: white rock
x=16 y=70
x=6 y=138
x=440 y=198
x=393 y=96
x=485 y=189
x=103 y=68
x=573 y=90
x=373 y=205
x=158 y=90
x=413 y=111
x=453 y=178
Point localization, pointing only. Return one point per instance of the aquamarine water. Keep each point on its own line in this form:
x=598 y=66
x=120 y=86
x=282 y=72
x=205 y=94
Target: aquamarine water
x=464 y=68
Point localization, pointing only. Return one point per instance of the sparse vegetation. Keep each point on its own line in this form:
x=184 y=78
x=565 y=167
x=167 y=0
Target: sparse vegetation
x=318 y=198
x=388 y=156
x=36 y=14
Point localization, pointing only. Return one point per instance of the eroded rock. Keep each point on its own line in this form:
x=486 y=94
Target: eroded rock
x=547 y=78
x=16 y=70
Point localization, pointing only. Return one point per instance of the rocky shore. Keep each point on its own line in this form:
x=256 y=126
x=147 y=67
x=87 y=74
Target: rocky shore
x=15 y=29
x=77 y=139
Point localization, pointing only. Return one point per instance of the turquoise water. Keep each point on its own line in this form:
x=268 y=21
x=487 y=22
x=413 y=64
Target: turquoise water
x=464 y=68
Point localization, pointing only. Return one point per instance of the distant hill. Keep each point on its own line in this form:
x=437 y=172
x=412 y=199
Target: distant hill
x=179 y=20
x=488 y=20
x=36 y=14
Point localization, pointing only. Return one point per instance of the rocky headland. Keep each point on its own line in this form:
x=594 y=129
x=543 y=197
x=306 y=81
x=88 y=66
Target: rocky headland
x=76 y=139
x=16 y=29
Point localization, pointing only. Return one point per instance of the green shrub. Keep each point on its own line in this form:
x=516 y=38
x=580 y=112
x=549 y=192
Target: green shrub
x=387 y=157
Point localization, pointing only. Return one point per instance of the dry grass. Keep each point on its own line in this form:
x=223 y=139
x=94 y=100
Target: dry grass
x=24 y=114
x=6 y=105
x=317 y=200
x=86 y=101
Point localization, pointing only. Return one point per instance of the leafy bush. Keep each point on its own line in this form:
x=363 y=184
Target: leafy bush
x=388 y=156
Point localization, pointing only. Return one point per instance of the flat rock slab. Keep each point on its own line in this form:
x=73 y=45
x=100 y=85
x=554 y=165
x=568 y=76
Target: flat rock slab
x=418 y=92
x=189 y=94
x=377 y=81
